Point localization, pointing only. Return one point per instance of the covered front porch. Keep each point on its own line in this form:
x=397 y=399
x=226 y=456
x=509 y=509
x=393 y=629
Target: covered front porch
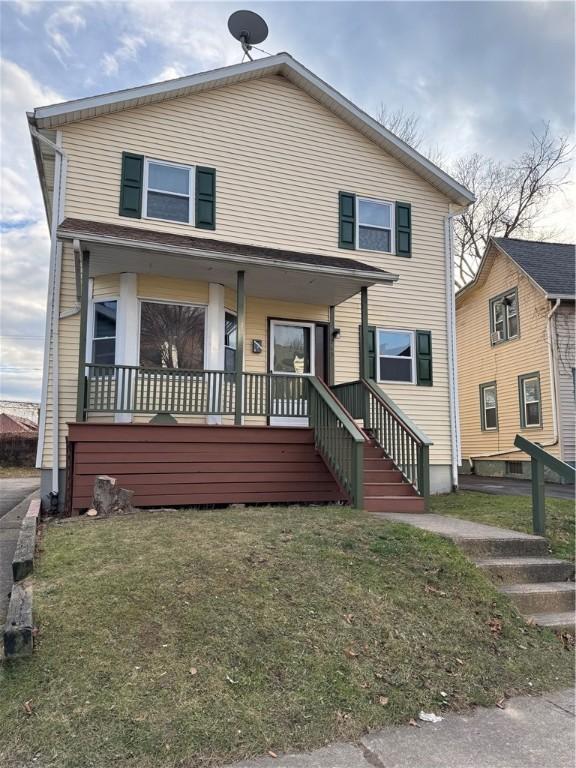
x=258 y=327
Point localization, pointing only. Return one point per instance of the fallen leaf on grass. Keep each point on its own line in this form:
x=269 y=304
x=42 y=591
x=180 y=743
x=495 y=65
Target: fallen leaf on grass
x=500 y=704
x=230 y=680
x=459 y=661
x=383 y=700
x=413 y=722
x=193 y=671
x=351 y=653
x=348 y=618
x=495 y=626
x=272 y=754
x=434 y=591
x=28 y=707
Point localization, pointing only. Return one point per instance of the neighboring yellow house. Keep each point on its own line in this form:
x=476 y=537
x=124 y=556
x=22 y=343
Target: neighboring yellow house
x=516 y=356
x=222 y=241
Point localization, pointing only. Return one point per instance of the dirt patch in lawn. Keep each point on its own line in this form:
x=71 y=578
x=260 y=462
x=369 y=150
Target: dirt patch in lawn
x=195 y=638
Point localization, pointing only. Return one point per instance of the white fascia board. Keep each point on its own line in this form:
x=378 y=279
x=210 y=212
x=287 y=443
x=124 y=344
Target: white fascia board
x=282 y=63
x=355 y=274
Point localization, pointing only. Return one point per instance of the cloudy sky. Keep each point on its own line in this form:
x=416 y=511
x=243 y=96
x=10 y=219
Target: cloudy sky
x=481 y=75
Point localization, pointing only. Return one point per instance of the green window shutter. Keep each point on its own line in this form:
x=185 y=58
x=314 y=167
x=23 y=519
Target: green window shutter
x=403 y=229
x=205 y=198
x=424 y=358
x=131 y=185
x=372 y=372
x=347 y=220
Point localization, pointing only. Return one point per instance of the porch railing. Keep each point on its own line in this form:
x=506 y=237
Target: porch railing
x=338 y=439
x=131 y=389
x=392 y=429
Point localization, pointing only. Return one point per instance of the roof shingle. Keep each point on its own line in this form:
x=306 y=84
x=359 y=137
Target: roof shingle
x=551 y=265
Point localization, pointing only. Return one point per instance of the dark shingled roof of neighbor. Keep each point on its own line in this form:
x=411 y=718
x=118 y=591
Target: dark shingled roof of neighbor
x=551 y=265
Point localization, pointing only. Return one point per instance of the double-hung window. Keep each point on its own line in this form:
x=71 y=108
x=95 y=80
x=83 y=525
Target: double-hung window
x=230 y=341
x=168 y=191
x=530 y=400
x=504 y=317
x=375 y=225
x=489 y=406
x=104 y=333
x=396 y=356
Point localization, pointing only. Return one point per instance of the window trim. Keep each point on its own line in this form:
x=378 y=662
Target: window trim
x=197 y=305
x=91 y=325
x=392 y=227
x=492 y=304
x=225 y=346
x=191 y=190
x=522 y=379
x=483 y=409
x=413 y=355
x=299 y=324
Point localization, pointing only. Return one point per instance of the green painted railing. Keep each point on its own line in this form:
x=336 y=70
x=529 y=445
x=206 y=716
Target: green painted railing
x=337 y=438
x=392 y=429
x=539 y=459
x=131 y=389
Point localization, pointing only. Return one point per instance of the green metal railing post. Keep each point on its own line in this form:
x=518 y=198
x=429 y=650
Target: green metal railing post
x=424 y=474
x=241 y=330
x=538 y=503
x=331 y=327
x=81 y=391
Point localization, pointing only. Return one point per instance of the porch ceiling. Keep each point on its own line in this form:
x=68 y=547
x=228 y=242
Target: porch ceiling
x=272 y=275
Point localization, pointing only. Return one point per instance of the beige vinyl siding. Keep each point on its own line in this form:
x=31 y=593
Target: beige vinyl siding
x=566 y=361
x=281 y=158
x=480 y=363
x=105 y=286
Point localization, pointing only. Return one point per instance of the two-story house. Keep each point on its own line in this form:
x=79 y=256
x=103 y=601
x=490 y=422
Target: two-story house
x=516 y=356
x=250 y=296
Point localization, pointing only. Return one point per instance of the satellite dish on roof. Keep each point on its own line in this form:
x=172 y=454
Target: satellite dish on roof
x=249 y=28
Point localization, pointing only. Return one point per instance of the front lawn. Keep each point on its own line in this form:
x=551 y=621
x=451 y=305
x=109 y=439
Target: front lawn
x=513 y=512
x=196 y=638
x=9 y=471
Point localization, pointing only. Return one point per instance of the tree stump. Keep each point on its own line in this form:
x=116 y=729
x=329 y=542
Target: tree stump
x=109 y=498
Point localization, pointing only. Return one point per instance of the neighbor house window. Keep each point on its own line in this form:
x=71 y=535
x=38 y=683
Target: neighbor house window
x=230 y=341
x=396 y=355
x=375 y=225
x=504 y=317
x=104 y=335
x=489 y=406
x=530 y=400
x=168 y=191
x=171 y=336
x=292 y=347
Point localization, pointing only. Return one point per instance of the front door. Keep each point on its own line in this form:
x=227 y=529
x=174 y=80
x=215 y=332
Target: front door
x=295 y=349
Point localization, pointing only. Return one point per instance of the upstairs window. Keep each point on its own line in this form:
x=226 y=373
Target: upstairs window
x=375 y=225
x=168 y=192
x=396 y=356
x=530 y=400
x=504 y=317
x=104 y=335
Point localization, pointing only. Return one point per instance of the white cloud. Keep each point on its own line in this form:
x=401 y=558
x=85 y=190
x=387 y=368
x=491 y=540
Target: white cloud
x=126 y=51
x=67 y=16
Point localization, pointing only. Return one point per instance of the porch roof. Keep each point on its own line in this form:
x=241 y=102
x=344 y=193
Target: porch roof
x=270 y=272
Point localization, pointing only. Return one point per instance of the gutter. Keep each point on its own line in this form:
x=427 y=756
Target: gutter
x=51 y=340
x=451 y=338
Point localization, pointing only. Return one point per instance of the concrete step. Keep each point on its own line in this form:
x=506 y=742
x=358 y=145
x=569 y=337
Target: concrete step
x=559 y=622
x=516 y=570
x=394 y=504
x=531 y=546
x=388 y=489
x=538 y=598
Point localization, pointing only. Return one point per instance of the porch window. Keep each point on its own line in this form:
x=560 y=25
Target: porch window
x=171 y=336
x=230 y=341
x=530 y=400
x=292 y=348
x=504 y=317
x=168 y=191
x=489 y=407
x=375 y=225
x=104 y=335
x=396 y=356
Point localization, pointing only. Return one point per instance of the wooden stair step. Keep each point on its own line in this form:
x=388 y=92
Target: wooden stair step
x=388 y=489
x=394 y=504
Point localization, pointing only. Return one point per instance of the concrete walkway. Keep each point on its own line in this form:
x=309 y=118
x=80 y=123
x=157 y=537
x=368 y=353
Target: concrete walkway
x=509 y=486
x=15 y=495
x=530 y=732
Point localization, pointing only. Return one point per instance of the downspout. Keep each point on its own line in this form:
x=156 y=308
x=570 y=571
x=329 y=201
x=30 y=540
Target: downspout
x=451 y=339
x=551 y=338
x=51 y=342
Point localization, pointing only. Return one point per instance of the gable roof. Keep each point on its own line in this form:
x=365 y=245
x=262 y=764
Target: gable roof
x=12 y=425
x=55 y=115
x=550 y=265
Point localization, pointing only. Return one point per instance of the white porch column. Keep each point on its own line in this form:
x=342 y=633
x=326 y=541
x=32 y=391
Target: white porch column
x=215 y=335
x=127 y=329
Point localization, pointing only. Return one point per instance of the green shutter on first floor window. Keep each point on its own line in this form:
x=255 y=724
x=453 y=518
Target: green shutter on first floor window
x=131 y=185
x=403 y=229
x=205 y=198
x=424 y=358
x=346 y=220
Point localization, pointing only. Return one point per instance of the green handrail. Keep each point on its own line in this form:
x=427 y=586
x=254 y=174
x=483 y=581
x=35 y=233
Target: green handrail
x=338 y=438
x=539 y=458
x=393 y=430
